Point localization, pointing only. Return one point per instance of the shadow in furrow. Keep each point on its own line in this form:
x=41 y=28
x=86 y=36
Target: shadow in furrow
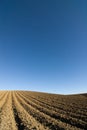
x=20 y=125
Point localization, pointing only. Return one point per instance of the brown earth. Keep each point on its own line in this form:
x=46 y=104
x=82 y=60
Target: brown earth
x=26 y=110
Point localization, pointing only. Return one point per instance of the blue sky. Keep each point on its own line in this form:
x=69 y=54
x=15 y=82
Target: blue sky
x=43 y=45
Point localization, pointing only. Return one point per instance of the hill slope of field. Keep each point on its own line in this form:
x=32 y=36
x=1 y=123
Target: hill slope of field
x=25 y=110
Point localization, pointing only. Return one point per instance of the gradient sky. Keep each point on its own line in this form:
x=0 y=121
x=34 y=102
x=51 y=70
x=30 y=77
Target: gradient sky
x=43 y=45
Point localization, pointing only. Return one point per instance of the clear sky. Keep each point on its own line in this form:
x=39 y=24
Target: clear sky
x=43 y=45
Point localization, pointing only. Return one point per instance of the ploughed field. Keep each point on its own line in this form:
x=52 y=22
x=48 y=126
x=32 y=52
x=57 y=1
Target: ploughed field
x=26 y=110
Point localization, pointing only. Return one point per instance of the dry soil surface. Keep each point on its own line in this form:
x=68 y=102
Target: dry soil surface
x=26 y=110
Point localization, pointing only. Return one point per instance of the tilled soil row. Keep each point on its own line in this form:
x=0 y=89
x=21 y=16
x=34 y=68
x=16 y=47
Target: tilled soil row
x=44 y=117
x=57 y=111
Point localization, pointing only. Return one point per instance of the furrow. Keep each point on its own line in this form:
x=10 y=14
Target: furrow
x=7 y=116
x=44 y=118
x=28 y=121
x=67 y=108
x=63 y=118
x=55 y=110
